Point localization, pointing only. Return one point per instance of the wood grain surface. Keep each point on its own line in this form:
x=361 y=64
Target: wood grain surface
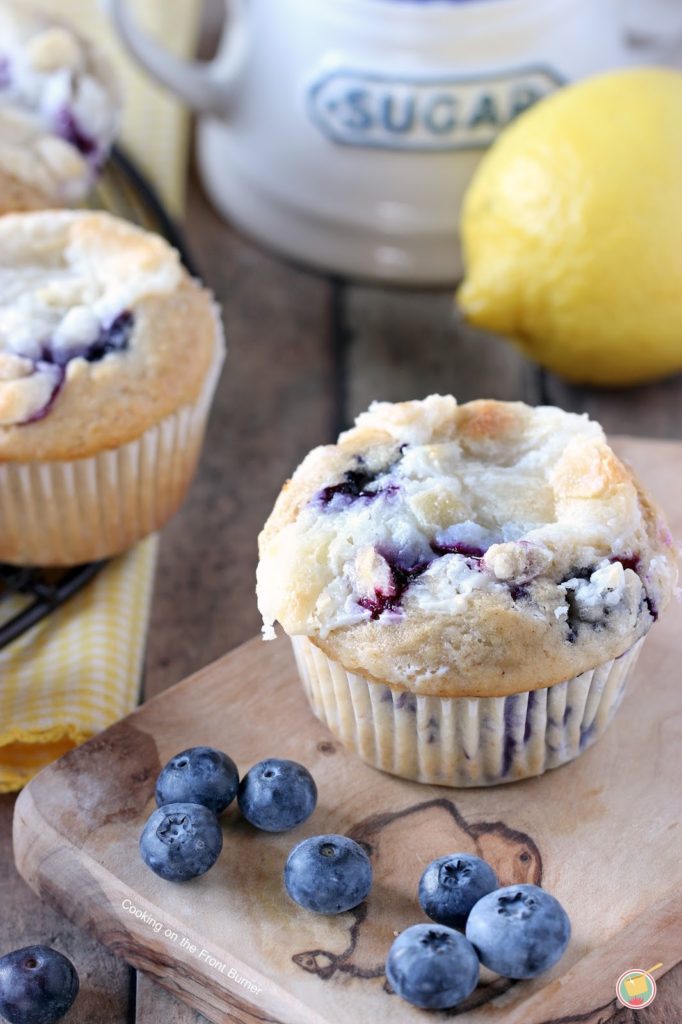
x=77 y=827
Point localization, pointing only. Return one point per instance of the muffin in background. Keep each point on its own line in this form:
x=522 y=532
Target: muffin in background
x=466 y=586
x=109 y=357
x=59 y=110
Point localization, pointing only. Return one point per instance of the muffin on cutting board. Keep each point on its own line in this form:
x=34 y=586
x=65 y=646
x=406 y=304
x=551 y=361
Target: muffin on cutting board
x=467 y=587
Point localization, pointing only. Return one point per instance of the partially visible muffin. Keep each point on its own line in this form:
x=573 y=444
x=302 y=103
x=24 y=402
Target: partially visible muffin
x=59 y=110
x=109 y=355
x=440 y=553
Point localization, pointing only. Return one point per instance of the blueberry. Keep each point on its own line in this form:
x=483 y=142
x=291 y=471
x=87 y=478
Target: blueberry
x=113 y=337
x=402 y=576
x=457 y=548
x=328 y=874
x=66 y=125
x=354 y=485
x=181 y=841
x=451 y=885
x=37 y=985
x=519 y=931
x=199 y=775
x=432 y=966
x=277 y=795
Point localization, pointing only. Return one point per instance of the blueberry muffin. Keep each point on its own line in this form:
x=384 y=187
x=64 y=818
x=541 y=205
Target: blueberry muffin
x=109 y=355
x=466 y=586
x=59 y=110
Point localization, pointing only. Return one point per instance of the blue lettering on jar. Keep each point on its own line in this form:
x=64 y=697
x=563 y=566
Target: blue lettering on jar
x=357 y=105
x=484 y=112
x=439 y=114
x=362 y=108
x=397 y=113
x=522 y=97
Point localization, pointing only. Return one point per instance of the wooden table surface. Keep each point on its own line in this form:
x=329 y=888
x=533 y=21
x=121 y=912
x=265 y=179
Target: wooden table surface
x=306 y=353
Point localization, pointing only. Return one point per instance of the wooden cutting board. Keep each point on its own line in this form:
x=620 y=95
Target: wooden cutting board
x=602 y=834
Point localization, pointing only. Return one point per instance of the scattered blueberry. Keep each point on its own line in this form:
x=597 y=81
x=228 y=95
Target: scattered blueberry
x=451 y=885
x=181 y=841
x=277 y=795
x=38 y=985
x=328 y=874
x=199 y=775
x=432 y=966
x=519 y=931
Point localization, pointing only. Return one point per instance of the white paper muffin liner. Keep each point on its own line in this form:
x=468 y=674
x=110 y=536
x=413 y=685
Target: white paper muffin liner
x=463 y=741
x=82 y=510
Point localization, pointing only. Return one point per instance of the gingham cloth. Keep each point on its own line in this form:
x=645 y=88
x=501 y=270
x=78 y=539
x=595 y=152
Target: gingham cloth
x=79 y=669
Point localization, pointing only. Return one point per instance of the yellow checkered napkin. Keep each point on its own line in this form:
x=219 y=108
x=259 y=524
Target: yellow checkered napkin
x=78 y=670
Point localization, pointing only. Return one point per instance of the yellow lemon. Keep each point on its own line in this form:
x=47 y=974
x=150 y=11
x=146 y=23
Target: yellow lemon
x=572 y=230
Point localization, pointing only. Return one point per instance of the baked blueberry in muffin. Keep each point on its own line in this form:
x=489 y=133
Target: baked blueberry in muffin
x=439 y=553
x=59 y=110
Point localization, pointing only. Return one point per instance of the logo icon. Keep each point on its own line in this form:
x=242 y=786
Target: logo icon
x=636 y=988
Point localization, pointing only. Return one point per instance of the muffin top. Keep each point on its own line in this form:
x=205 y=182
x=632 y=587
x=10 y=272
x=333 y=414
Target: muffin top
x=465 y=550
x=59 y=105
x=102 y=334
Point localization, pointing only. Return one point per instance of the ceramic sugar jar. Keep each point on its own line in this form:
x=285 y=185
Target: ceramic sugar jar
x=344 y=132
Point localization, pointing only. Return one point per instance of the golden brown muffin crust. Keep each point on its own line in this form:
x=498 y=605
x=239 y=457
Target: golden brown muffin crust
x=114 y=268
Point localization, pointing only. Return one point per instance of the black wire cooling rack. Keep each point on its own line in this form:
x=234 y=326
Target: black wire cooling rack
x=125 y=191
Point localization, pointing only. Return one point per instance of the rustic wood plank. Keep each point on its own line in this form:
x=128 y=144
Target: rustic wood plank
x=27 y=919
x=155 y=1004
x=407 y=344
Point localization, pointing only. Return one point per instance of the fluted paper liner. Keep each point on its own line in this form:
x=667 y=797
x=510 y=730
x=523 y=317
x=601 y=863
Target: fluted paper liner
x=82 y=510
x=463 y=741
